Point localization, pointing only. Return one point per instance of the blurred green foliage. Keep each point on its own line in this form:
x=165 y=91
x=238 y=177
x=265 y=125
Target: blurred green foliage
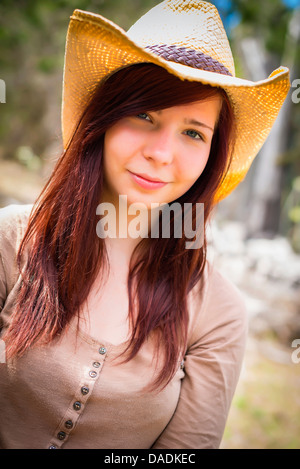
x=32 y=41
x=268 y=19
x=265 y=412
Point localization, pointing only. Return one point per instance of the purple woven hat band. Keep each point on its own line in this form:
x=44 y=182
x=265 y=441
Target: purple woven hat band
x=189 y=57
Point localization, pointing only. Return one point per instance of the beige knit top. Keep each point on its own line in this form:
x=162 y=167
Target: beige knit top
x=74 y=394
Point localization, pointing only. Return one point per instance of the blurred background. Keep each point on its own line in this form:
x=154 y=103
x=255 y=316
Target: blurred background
x=255 y=234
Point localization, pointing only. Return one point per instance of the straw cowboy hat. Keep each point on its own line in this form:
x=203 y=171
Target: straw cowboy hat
x=187 y=38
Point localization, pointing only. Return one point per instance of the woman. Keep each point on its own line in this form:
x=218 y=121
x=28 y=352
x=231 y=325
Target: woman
x=122 y=337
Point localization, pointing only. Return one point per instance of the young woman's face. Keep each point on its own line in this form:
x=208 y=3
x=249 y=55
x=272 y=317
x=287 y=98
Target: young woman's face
x=155 y=157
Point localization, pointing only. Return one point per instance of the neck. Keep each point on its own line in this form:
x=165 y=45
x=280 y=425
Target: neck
x=123 y=225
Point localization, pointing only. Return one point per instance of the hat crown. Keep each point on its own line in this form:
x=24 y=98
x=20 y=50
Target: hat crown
x=189 y=24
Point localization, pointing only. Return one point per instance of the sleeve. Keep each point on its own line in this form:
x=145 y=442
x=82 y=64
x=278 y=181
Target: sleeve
x=212 y=367
x=13 y=219
x=5 y=250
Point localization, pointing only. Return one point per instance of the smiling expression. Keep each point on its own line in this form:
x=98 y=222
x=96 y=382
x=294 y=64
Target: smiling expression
x=155 y=157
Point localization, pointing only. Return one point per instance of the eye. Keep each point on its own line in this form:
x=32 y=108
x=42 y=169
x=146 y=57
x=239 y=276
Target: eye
x=144 y=116
x=194 y=134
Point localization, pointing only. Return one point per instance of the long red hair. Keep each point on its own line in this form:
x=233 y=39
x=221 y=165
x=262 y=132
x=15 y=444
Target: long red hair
x=66 y=254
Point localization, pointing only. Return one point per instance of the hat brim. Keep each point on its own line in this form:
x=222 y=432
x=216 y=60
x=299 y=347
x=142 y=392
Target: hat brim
x=96 y=47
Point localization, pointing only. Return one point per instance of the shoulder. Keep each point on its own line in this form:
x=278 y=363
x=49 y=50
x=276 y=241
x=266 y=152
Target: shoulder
x=15 y=212
x=221 y=289
x=13 y=223
x=217 y=306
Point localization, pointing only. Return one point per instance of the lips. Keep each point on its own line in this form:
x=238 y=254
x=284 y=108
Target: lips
x=146 y=181
x=148 y=178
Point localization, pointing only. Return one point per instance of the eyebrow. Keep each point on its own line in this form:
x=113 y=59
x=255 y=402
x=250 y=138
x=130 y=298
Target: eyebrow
x=193 y=122
x=199 y=124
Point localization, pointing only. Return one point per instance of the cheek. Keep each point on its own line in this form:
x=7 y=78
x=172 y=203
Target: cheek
x=192 y=166
x=112 y=151
x=119 y=147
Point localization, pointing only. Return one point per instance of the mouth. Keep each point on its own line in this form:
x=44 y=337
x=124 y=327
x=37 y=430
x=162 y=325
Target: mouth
x=147 y=182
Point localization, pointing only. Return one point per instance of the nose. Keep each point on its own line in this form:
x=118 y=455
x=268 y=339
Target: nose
x=159 y=147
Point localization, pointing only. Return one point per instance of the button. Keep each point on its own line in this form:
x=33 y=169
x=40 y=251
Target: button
x=96 y=365
x=93 y=374
x=77 y=405
x=102 y=350
x=52 y=447
x=85 y=390
x=61 y=435
x=69 y=424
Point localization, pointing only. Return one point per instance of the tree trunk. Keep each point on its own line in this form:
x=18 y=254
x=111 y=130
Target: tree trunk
x=266 y=183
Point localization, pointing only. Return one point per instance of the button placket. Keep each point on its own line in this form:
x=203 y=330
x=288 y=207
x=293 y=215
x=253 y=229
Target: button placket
x=69 y=424
x=79 y=401
x=84 y=390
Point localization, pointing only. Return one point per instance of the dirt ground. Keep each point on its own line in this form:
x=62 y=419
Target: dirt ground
x=265 y=412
